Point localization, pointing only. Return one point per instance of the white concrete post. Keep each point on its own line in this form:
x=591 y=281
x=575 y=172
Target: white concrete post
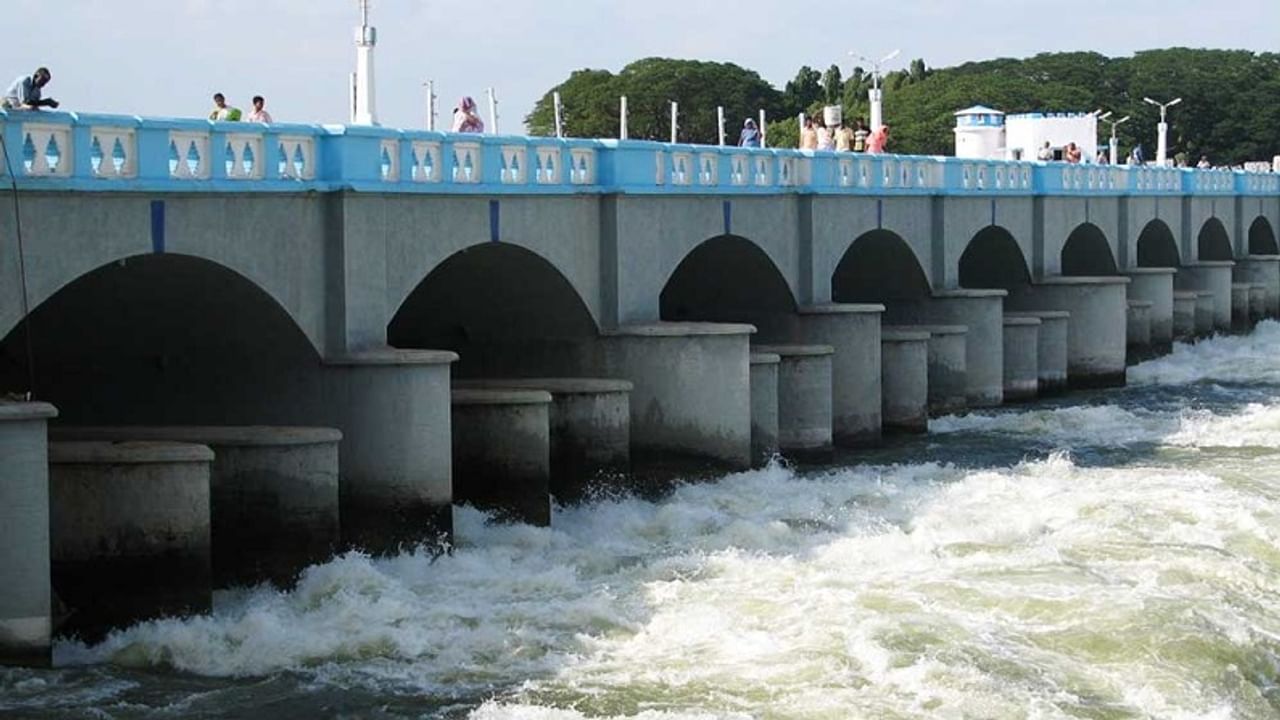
x=1115 y=150
x=555 y=99
x=493 y=111
x=720 y=123
x=366 y=102
x=763 y=136
x=622 y=118
x=1162 y=146
x=877 y=113
x=675 y=118
x=431 y=104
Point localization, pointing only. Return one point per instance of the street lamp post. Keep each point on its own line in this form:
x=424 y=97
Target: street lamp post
x=1162 y=145
x=1115 y=146
x=874 y=95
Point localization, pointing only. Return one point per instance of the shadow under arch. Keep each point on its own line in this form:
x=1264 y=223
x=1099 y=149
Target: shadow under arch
x=1157 y=246
x=505 y=310
x=879 y=267
x=993 y=259
x=1262 y=238
x=162 y=338
x=1213 y=242
x=728 y=278
x=1087 y=253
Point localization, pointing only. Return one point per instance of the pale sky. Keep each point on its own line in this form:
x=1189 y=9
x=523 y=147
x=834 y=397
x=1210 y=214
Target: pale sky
x=166 y=57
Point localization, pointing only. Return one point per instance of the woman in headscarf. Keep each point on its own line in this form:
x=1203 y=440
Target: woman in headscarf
x=750 y=136
x=465 y=118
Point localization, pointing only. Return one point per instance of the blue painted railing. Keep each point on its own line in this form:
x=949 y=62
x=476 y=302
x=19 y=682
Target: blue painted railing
x=79 y=151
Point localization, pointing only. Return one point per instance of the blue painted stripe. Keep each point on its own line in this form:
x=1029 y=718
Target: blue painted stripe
x=728 y=218
x=157 y=226
x=495 y=229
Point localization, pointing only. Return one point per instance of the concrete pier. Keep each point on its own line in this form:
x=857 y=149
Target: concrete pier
x=25 y=613
x=982 y=311
x=502 y=453
x=1138 y=331
x=1239 y=307
x=1051 y=349
x=590 y=425
x=129 y=532
x=1213 y=276
x=804 y=396
x=764 y=406
x=392 y=407
x=1206 y=310
x=1184 y=315
x=1156 y=286
x=1096 y=335
x=703 y=411
x=273 y=494
x=1021 y=367
x=947 y=377
x=1257 y=303
x=1263 y=270
x=905 y=379
x=853 y=331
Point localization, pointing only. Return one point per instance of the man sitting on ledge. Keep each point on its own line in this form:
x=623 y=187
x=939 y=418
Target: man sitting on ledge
x=24 y=93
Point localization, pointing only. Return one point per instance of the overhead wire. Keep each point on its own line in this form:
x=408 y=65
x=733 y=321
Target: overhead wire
x=22 y=271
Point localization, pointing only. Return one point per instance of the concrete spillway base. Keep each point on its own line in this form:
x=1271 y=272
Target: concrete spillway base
x=1184 y=315
x=905 y=379
x=1096 y=333
x=1215 y=277
x=804 y=396
x=590 y=425
x=1155 y=285
x=764 y=406
x=25 y=620
x=1239 y=307
x=1138 y=331
x=393 y=409
x=1257 y=303
x=691 y=393
x=1051 y=349
x=129 y=532
x=1263 y=270
x=853 y=331
x=982 y=312
x=502 y=453
x=1206 y=309
x=273 y=494
x=1021 y=367
x=947 y=376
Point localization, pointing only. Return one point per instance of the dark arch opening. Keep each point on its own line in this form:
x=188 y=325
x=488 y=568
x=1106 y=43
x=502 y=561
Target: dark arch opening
x=1087 y=252
x=504 y=309
x=1157 y=247
x=728 y=279
x=1213 y=242
x=993 y=260
x=879 y=267
x=1262 y=239
x=163 y=339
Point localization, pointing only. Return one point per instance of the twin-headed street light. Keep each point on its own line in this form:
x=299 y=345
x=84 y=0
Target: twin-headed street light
x=1114 y=146
x=1162 y=146
x=874 y=94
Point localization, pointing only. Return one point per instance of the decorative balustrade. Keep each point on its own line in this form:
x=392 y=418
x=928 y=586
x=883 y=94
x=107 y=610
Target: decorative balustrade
x=105 y=152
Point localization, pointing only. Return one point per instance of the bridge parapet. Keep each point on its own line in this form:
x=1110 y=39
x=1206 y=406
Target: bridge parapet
x=79 y=151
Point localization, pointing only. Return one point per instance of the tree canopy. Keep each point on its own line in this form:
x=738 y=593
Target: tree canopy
x=1230 y=110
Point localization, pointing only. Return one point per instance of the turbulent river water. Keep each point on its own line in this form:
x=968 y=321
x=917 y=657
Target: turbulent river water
x=1107 y=555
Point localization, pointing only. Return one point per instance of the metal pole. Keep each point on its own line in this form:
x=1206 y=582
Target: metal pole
x=675 y=120
x=493 y=111
x=720 y=123
x=763 y=136
x=431 y=104
x=622 y=117
x=555 y=98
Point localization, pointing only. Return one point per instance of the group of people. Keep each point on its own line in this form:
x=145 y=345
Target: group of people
x=815 y=135
x=229 y=113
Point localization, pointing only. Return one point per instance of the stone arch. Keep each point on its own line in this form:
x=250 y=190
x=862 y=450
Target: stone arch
x=1262 y=238
x=1213 y=242
x=160 y=338
x=1087 y=252
x=727 y=278
x=1157 y=246
x=504 y=309
x=993 y=259
x=879 y=266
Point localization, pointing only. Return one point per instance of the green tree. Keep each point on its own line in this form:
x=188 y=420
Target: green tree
x=832 y=86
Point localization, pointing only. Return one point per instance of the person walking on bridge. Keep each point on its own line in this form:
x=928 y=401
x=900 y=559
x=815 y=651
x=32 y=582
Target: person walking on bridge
x=878 y=140
x=223 y=111
x=465 y=117
x=25 y=92
x=750 y=136
x=259 y=114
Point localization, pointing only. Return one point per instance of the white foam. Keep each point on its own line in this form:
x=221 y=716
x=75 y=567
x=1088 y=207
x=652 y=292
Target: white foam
x=1252 y=358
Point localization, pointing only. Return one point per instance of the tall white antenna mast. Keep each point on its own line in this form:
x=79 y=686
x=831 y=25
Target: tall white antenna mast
x=365 y=112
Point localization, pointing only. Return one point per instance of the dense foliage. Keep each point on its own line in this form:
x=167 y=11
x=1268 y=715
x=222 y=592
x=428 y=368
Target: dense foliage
x=1230 y=110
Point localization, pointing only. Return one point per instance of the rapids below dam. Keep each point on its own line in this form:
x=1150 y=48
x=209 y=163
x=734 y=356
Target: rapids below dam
x=1103 y=555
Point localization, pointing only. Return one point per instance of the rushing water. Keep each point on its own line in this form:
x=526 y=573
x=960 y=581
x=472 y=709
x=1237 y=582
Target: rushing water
x=1109 y=555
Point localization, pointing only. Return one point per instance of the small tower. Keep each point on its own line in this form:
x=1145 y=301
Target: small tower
x=364 y=108
x=980 y=133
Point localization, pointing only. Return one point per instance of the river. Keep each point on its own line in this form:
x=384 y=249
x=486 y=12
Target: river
x=1105 y=555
